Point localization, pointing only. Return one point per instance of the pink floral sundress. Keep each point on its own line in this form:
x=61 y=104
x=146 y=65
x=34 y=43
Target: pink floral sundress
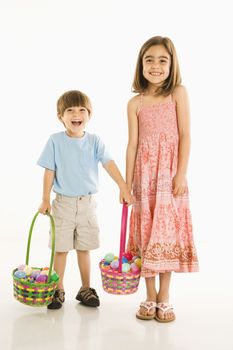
x=160 y=224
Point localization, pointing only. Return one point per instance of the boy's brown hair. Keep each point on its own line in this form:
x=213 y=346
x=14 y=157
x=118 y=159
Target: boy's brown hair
x=140 y=84
x=73 y=98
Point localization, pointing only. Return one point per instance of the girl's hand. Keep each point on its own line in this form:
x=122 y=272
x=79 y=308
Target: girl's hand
x=125 y=196
x=45 y=207
x=179 y=185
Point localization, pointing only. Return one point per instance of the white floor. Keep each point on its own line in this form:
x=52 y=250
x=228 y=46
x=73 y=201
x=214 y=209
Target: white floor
x=203 y=304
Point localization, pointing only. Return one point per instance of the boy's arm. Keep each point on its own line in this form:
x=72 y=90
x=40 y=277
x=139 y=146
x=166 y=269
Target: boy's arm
x=115 y=174
x=47 y=186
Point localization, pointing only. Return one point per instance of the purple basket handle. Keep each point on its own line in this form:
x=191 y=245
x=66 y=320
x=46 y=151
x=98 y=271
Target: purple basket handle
x=124 y=217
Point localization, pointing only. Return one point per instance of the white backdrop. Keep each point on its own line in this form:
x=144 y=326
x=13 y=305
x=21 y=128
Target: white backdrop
x=48 y=47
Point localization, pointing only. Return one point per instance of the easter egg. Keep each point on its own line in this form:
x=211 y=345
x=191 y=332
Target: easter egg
x=125 y=267
x=35 y=273
x=134 y=257
x=41 y=279
x=124 y=260
x=55 y=277
x=109 y=257
x=128 y=256
x=20 y=274
x=44 y=272
x=21 y=267
x=28 y=270
x=114 y=264
x=134 y=268
x=138 y=262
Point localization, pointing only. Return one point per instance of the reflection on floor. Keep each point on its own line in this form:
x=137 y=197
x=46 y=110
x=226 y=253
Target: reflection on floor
x=203 y=310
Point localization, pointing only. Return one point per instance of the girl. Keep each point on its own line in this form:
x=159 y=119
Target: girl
x=156 y=166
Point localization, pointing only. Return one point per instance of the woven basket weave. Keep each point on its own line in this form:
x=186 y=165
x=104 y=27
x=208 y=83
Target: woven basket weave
x=36 y=294
x=114 y=281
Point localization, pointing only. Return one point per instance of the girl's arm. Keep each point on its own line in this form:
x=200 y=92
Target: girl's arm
x=132 y=140
x=183 y=118
x=47 y=186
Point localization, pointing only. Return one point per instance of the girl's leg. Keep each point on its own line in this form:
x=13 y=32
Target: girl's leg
x=84 y=267
x=151 y=295
x=163 y=294
x=59 y=267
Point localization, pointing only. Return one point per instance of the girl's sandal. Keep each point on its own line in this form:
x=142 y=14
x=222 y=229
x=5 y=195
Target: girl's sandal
x=164 y=307
x=148 y=305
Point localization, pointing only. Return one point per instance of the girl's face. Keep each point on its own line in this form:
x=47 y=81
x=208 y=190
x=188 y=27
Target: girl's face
x=75 y=120
x=156 y=64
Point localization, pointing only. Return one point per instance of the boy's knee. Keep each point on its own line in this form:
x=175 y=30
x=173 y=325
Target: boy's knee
x=61 y=253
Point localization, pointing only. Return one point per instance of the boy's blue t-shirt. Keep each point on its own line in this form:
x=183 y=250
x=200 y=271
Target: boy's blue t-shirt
x=75 y=162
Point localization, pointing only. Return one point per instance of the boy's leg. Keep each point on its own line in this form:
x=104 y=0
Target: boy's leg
x=163 y=295
x=59 y=267
x=84 y=264
x=86 y=295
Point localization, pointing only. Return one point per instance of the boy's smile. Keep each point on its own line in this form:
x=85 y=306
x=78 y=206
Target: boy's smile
x=75 y=119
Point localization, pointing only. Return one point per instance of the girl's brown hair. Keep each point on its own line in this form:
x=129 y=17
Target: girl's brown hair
x=73 y=98
x=140 y=84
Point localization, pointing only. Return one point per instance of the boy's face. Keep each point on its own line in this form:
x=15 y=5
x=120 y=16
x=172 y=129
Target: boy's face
x=75 y=120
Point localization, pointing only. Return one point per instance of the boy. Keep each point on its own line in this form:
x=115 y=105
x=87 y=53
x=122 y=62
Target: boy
x=70 y=159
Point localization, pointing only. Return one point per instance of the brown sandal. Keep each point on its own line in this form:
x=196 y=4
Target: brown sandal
x=58 y=300
x=88 y=297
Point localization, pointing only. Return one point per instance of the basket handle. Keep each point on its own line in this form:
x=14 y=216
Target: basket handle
x=124 y=217
x=53 y=241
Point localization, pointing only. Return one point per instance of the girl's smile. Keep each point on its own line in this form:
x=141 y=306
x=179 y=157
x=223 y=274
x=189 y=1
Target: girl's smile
x=156 y=64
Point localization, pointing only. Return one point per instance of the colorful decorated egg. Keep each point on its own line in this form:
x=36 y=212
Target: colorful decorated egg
x=124 y=259
x=21 y=267
x=125 y=267
x=28 y=270
x=55 y=277
x=35 y=273
x=114 y=264
x=128 y=256
x=134 y=268
x=20 y=274
x=109 y=257
x=41 y=279
x=138 y=262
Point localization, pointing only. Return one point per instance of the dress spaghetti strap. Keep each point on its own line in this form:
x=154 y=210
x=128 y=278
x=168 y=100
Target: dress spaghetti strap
x=140 y=103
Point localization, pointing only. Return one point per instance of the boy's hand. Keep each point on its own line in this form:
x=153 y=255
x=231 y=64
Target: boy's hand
x=125 y=196
x=179 y=185
x=45 y=207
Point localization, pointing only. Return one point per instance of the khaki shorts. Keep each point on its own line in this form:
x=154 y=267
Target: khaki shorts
x=76 y=225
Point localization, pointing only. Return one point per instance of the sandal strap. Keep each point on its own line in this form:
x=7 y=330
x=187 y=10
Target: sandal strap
x=88 y=293
x=59 y=296
x=148 y=305
x=164 y=306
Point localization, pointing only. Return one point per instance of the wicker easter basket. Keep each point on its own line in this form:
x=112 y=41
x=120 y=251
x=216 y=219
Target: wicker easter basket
x=115 y=281
x=36 y=294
